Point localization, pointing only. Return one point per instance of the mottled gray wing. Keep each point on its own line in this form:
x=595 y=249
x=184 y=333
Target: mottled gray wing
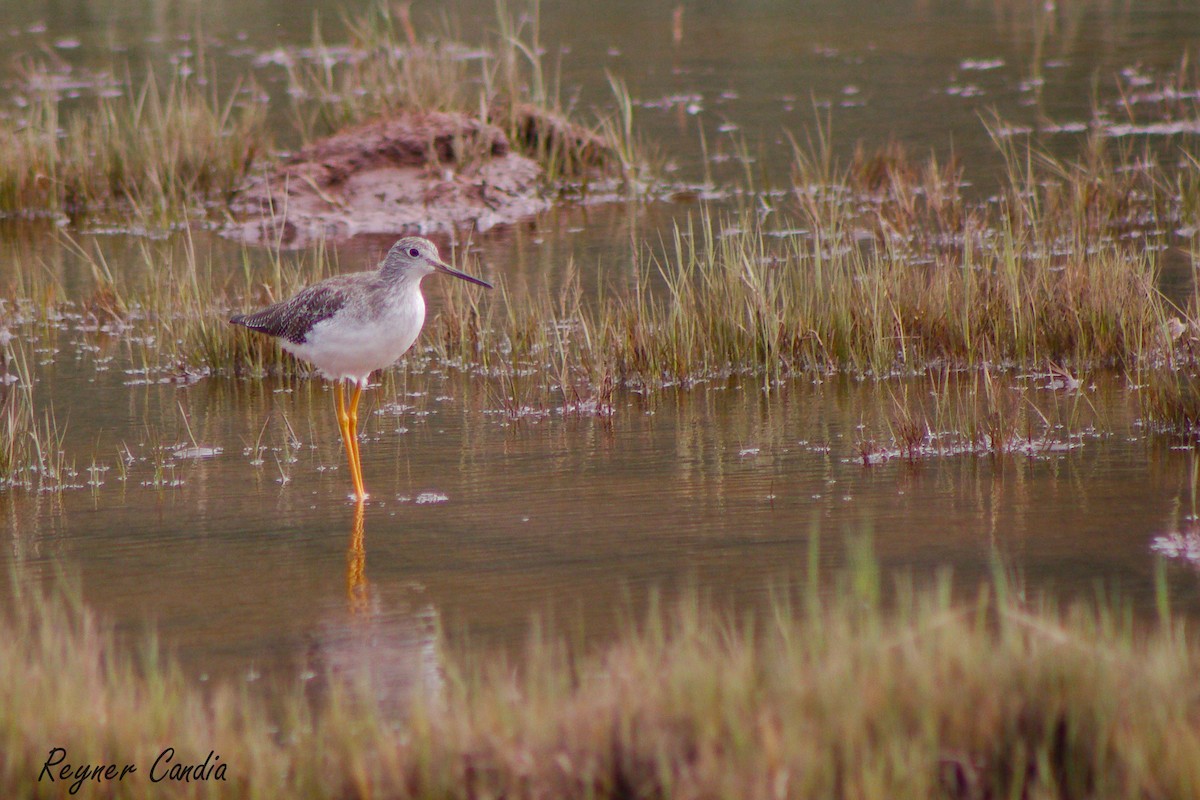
x=294 y=318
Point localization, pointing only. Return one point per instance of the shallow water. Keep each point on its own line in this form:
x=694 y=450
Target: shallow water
x=746 y=74
x=478 y=521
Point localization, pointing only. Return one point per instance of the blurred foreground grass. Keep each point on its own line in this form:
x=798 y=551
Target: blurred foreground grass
x=864 y=687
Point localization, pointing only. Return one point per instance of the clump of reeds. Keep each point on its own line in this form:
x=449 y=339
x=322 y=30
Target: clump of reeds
x=1168 y=387
x=159 y=151
x=748 y=302
x=16 y=422
x=858 y=688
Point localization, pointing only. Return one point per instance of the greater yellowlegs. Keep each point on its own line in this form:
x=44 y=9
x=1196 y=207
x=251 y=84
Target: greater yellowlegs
x=348 y=326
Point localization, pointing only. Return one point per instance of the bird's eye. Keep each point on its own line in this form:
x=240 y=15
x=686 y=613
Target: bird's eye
x=414 y=252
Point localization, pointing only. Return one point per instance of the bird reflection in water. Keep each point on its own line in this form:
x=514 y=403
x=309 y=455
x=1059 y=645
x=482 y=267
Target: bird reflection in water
x=388 y=650
x=357 y=590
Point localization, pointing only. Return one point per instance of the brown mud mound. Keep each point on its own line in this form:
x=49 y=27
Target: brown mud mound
x=415 y=172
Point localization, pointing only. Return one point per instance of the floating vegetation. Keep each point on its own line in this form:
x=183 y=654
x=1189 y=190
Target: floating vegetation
x=1047 y=702
x=1184 y=546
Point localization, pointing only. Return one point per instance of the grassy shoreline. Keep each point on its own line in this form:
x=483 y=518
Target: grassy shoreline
x=864 y=687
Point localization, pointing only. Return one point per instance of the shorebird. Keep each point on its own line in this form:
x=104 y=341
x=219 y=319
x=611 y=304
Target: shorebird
x=350 y=325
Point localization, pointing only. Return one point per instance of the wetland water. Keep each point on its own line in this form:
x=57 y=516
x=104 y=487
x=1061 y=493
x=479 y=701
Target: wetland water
x=218 y=513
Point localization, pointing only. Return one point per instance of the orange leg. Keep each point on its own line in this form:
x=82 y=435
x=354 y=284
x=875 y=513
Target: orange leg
x=352 y=413
x=349 y=439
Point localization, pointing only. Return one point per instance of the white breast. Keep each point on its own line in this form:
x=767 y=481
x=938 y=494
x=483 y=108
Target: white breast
x=353 y=344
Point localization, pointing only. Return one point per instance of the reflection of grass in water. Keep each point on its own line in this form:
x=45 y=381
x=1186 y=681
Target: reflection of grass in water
x=851 y=689
x=1169 y=387
x=1170 y=399
x=31 y=451
x=979 y=412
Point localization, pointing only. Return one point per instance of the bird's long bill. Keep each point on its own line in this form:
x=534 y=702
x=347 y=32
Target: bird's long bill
x=440 y=267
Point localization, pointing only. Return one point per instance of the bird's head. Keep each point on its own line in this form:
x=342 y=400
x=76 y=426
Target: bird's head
x=414 y=255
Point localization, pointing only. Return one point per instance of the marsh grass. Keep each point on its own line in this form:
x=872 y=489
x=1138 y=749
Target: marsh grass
x=172 y=312
x=159 y=151
x=894 y=272
x=16 y=419
x=866 y=686
x=1168 y=387
x=381 y=68
x=754 y=304
x=708 y=307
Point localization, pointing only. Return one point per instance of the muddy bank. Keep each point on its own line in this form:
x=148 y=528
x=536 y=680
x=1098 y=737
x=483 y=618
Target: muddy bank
x=414 y=172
